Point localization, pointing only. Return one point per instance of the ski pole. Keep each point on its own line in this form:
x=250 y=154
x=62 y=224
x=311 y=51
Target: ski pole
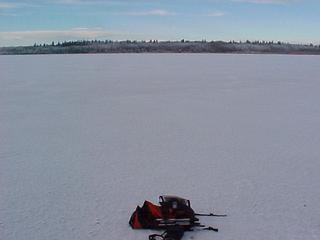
x=211 y=229
x=210 y=215
x=203 y=227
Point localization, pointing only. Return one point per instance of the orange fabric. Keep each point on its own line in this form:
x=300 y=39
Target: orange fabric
x=154 y=209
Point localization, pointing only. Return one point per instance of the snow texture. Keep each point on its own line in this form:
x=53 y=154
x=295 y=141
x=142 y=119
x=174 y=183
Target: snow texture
x=86 y=138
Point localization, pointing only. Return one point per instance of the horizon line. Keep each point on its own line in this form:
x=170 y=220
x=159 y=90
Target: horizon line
x=182 y=40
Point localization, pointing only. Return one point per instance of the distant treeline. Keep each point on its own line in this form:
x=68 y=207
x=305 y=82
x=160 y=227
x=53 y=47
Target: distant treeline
x=154 y=46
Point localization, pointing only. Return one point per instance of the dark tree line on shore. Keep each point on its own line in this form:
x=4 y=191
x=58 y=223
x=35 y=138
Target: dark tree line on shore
x=155 y=46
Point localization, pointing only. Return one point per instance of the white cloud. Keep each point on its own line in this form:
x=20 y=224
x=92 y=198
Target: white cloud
x=215 y=14
x=69 y=1
x=8 y=14
x=27 y=38
x=45 y=36
x=39 y=3
x=89 y=2
x=74 y=2
x=6 y=5
x=265 y=1
x=153 y=12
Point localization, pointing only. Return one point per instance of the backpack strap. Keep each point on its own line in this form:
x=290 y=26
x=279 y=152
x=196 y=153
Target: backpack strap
x=172 y=233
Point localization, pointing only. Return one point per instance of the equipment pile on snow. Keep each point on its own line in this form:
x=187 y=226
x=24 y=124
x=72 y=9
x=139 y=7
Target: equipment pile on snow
x=174 y=216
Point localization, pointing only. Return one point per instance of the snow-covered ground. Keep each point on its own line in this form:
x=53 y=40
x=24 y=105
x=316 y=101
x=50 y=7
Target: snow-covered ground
x=86 y=138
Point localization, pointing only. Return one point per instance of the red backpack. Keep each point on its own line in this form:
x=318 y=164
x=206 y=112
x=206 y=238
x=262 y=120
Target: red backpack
x=174 y=215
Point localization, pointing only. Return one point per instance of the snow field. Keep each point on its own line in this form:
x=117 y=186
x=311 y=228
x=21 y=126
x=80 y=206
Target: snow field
x=86 y=138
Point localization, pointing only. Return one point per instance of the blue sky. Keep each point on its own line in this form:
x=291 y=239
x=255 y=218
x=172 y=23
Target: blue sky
x=24 y=22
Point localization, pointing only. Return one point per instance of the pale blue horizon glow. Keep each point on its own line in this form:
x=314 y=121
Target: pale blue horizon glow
x=24 y=22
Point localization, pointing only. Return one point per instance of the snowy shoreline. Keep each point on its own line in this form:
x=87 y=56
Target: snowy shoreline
x=76 y=47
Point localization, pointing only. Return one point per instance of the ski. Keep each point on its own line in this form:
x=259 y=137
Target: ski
x=174 y=219
x=210 y=215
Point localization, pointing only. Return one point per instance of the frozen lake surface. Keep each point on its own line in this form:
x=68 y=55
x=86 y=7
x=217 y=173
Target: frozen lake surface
x=86 y=138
